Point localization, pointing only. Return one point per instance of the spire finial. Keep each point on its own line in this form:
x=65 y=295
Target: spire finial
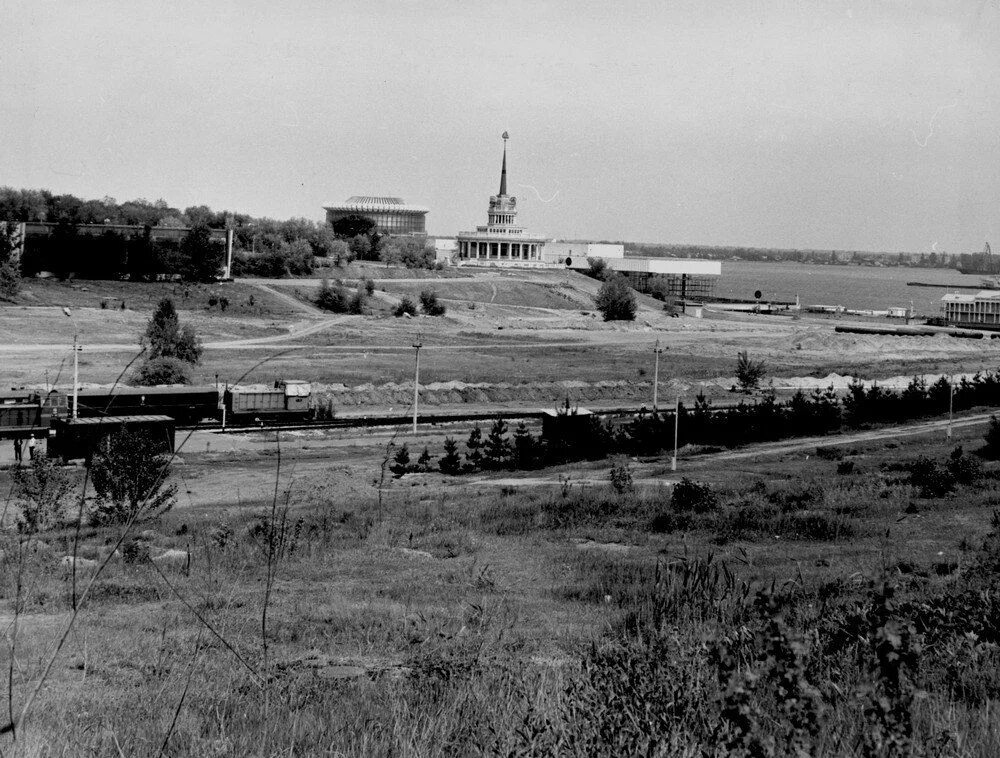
x=503 y=171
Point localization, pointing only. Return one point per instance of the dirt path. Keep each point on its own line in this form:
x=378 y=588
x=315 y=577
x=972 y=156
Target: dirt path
x=291 y=300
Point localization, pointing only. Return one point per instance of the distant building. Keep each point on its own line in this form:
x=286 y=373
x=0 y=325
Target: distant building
x=501 y=242
x=390 y=214
x=980 y=309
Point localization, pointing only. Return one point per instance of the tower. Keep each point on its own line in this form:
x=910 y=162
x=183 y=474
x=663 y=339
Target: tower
x=503 y=207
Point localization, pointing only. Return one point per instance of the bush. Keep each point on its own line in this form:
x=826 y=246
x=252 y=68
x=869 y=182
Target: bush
x=966 y=469
x=41 y=490
x=693 y=497
x=129 y=474
x=616 y=300
x=430 y=305
x=748 y=372
x=406 y=307
x=333 y=298
x=161 y=371
x=930 y=479
x=10 y=282
x=993 y=438
x=621 y=477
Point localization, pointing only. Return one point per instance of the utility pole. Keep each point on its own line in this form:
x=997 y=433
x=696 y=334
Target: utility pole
x=76 y=376
x=677 y=423
x=416 y=380
x=656 y=373
x=951 y=403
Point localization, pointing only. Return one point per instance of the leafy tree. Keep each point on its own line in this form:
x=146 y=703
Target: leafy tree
x=407 y=251
x=369 y=287
x=406 y=306
x=430 y=304
x=334 y=298
x=616 y=300
x=362 y=248
x=340 y=252
x=497 y=448
x=201 y=258
x=400 y=462
x=165 y=338
x=10 y=282
x=354 y=225
x=357 y=303
x=130 y=475
x=161 y=371
x=41 y=489
x=748 y=372
x=450 y=463
x=474 y=445
x=597 y=268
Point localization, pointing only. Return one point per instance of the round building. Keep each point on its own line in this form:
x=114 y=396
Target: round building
x=390 y=214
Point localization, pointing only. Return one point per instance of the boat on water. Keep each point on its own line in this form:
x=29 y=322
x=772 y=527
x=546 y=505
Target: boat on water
x=980 y=263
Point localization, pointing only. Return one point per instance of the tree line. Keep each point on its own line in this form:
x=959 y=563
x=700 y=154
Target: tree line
x=767 y=419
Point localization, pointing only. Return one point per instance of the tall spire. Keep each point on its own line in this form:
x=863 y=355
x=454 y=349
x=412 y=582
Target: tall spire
x=503 y=171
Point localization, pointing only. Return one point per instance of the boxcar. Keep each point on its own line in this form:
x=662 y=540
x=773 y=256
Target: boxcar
x=24 y=413
x=186 y=405
x=82 y=437
x=288 y=400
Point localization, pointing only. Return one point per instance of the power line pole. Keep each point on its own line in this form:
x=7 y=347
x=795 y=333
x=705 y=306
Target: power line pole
x=76 y=376
x=677 y=423
x=656 y=373
x=951 y=403
x=416 y=380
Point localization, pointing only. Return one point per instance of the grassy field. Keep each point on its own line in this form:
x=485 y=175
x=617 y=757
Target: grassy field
x=501 y=292
x=452 y=618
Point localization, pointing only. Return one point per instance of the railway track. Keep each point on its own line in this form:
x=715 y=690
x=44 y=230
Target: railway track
x=382 y=420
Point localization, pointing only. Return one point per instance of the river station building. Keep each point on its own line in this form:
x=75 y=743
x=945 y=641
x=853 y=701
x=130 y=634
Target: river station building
x=501 y=241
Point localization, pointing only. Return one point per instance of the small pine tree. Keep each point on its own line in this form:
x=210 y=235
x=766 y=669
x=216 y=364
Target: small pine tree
x=525 y=449
x=406 y=307
x=400 y=462
x=474 y=456
x=450 y=463
x=616 y=300
x=424 y=461
x=497 y=448
x=429 y=302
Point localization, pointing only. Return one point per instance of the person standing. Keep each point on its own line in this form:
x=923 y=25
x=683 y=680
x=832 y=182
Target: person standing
x=17 y=451
x=31 y=447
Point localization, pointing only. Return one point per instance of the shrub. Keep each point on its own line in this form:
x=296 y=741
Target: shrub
x=400 y=462
x=369 y=287
x=693 y=497
x=992 y=438
x=597 y=268
x=129 y=474
x=930 y=479
x=966 y=469
x=41 y=489
x=748 y=372
x=10 y=282
x=333 y=298
x=621 y=477
x=161 y=371
x=430 y=304
x=406 y=307
x=616 y=300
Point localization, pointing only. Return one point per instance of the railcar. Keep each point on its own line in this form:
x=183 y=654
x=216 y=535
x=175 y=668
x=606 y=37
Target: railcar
x=186 y=405
x=288 y=400
x=26 y=413
x=73 y=438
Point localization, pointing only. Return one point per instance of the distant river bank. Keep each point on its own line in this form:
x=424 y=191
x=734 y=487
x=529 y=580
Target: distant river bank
x=850 y=286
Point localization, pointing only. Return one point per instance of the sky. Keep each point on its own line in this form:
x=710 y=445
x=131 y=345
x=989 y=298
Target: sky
x=860 y=125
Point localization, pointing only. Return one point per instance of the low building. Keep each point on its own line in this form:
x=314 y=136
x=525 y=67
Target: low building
x=390 y=214
x=566 y=253
x=980 y=309
x=684 y=278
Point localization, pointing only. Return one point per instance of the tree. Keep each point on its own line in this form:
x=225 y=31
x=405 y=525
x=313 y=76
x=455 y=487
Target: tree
x=474 y=454
x=450 y=463
x=400 y=462
x=10 y=275
x=41 y=490
x=525 y=448
x=430 y=304
x=161 y=371
x=496 y=451
x=201 y=258
x=748 y=372
x=597 y=268
x=407 y=251
x=165 y=338
x=616 y=300
x=333 y=298
x=354 y=226
x=130 y=474
x=406 y=306
x=424 y=461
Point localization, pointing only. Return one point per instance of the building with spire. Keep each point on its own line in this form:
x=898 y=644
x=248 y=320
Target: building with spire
x=501 y=242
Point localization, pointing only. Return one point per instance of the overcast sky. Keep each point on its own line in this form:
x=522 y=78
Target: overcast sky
x=852 y=125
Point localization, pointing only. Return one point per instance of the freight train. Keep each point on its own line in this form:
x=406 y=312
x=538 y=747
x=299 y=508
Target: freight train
x=49 y=415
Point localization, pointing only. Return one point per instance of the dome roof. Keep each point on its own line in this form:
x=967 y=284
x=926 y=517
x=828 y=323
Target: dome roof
x=374 y=204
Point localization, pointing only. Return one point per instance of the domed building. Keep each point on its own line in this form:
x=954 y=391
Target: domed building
x=390 y=214
x=501 y=242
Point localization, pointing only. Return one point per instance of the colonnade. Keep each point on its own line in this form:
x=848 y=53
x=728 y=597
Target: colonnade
x=507 y=251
